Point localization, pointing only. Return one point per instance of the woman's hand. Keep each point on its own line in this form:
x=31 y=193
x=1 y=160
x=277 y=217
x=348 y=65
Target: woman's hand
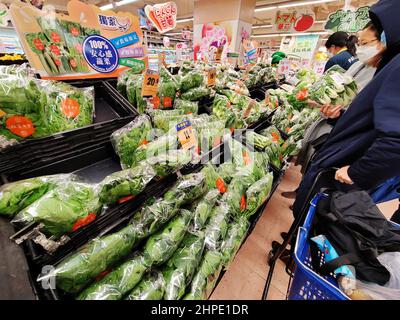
x=343 y=176
x=331 y=112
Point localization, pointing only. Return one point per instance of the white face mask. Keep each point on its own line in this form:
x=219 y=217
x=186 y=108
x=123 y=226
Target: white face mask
x=364 y=53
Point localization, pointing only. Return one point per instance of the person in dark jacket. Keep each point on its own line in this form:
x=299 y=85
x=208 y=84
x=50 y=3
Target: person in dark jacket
x=342 y=47
x=365 y=142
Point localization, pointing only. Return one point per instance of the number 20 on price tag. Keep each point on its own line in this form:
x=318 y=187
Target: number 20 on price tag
x=150 y=84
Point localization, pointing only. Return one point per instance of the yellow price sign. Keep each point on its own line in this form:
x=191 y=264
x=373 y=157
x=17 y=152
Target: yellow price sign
x=186 y=135
x=211 y=77
x=219 y=53
x=150 y=84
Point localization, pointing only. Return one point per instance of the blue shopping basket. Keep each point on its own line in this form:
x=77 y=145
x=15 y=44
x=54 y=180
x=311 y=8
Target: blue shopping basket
x=306 y=283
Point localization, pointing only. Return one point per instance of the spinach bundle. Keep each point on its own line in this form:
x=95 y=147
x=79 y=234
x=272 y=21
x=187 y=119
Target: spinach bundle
x=257 y=193
x=195 y=94
x=118 y=282
x=206 y=276
x=154 y=148
x=233 y=240
x=168 y=119
x=64 y=209
x=203 y=208
x=79 y=269
x=188 y=188
x=129 y=182
x=181 y=267
x=127 y=139
x=151 y=287
x=16 y=196
x=166 y=163
x=213 y=178
x=193 y=79
x=217 y=226
x=161 y=246
x=186 y=106
x=227 y=171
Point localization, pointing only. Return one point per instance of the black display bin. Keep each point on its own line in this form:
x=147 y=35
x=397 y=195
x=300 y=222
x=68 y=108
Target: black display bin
x=111 y=113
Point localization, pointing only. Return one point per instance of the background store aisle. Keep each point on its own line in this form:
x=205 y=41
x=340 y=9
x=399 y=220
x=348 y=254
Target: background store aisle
x=246 y=277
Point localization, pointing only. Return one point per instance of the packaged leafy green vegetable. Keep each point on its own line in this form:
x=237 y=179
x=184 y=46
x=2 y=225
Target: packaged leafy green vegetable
x=187 y=106
x=226 y=171
x=191 y=80
x=203 y=208
x=161 y=246
x=100 y=254
x=222 y=110
x=151 y=287
x=166 y=94
x=129 y=182
x=213 y=178
x=130 y=85
x=217 y=226
x=195 y=94
x=63 y=209
x=152 y=217
x=206 y=276
x=273 y=134
x=16 y=196
x=182 y=266
x=257 y=194
x=127 y=139
x=166 y=163
x=166 y=122
x=188 y=188
x=118 y=282
x=234 y=237
x=233 y=97
x=156 y=147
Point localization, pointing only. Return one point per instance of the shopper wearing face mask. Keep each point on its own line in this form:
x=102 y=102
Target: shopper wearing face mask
x=342 y=49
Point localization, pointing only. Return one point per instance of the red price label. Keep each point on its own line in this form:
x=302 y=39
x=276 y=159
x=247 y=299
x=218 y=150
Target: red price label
x=21 y=126
x=70 y=107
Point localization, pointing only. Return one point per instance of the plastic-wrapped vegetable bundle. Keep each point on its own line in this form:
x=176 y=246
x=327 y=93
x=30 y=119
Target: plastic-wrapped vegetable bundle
x=187 y=106
x=217 y=226
x=151 y=218
x=257 y=193
x=154 y=148
x=203 y=208
x=206 y=276
x=258 y=141
x=169 y=162
x=193 y=79
x=16 y=196
x=213 y=178
x=129 y=182
x=188 y=188
x=234 y=238
x=127 y=139
x=64 y=209
x=118 y=282
x=195 y=94
x=181 y=267
x=162 y=245
x=166 y=122
x=233 y=97
x=227 y=171
x=17 y=70
x=130 y=89
x=78 y=270
x=222 y=110
x=166 y=94
x=273 y=134
x=152 y=287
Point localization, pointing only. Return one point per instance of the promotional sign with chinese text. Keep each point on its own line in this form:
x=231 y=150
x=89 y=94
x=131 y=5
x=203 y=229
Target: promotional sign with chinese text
x=86 y=43
x=294 y=21
x=352 y=20
x=302 y=47
x=163 y=16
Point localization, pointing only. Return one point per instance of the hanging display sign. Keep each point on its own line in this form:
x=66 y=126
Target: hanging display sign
x=163 y=15
x=294 y=21
x=301 y=47
x=351 y=20
x=144 y=22
x=86 y=43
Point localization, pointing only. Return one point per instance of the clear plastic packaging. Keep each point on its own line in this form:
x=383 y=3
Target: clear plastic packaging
x=217 y=226
x=233 y=240
x=203 y=208
x=151 y=287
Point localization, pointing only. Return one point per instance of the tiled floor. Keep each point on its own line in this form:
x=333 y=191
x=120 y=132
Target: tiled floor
x=246 y=276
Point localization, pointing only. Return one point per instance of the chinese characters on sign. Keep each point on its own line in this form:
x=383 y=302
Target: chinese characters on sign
x=162 y=15
x=294 y=21
x=130 y=52
x=100 y=54
x=186 y=135
x=125 y=40
x=285 y=21
x=114 y=23
x=348 y=20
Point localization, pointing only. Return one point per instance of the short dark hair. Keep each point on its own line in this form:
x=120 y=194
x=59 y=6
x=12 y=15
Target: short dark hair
x=370 y=26
x=342 y=39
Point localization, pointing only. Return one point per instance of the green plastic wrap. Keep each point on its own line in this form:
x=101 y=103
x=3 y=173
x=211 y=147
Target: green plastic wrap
x=182 y=266
x=98 y=255
x=16 y=196
x=257 y=194
x=63 y=209
x=196 y=94
x=161 y=246
x=166 y=163
x=204 y=281
x=188 y=188
x=156 y=147
x=129 y=182
x=152 y=287
x=187 y=106
x=118 y=282
x=217 y=226
x=203 y=208
x=191 y=80
x=127 y=139
x=234 y=237
x=213 y=178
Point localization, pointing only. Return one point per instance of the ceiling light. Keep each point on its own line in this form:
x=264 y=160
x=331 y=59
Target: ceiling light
x=270 y=35
x=265 y=8
x=107 y=7
x=262 y=26
x=304 y=3
x=184 y=20
x=124 y=2
x=319 y=21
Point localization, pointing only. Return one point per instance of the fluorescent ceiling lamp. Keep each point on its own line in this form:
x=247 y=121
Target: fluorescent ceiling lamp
x=265 y=8
x=107 y=7
x=184 y=20
x=124 y=2
x=173 y=34
x=272 y=35
x=304 y=3
x=319 y=21
x=262 y=26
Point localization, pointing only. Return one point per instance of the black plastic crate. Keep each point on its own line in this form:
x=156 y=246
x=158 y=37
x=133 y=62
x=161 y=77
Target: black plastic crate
x=111 y=113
